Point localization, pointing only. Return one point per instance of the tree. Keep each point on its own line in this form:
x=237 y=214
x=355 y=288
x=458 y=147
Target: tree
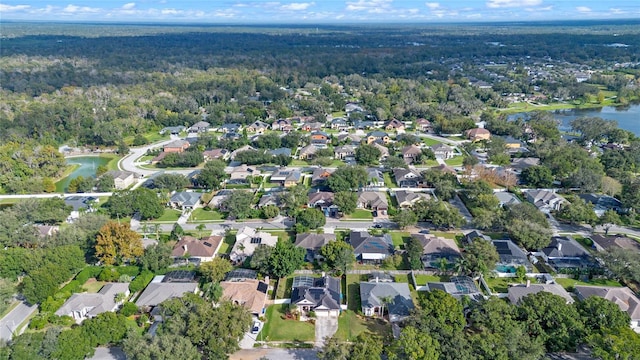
x=602 y=316
x=270 y=211
x=177 y=232
x=587 y=180
x=310 y=219
x=294 y=197
x=609 y=219
x=212 y=175
x=118 y=244
x=593 y=128
x=440 y=213
x=105 y=183
x=334 y=349
x=366 y=347
x=414 y=345
x=346 y=201
x=481 y=256
x=215 y=270
x=529 y=235
x=238 y=204
x=623 y=263
x=578 y=212
x=405 y=217
x=622 y=344
x=347 y=178
x=156 y=257
x=537 y=176
x=163 y=346
x=171 y=182
x=414 y=252
x=200 y=228
x=394 y=162
x=367 y=155
x=285 y=259
x=260 y=258
x=339 y=255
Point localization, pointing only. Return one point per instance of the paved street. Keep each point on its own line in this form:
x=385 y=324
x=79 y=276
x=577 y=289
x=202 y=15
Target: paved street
x=275 y=354
x=10 y=323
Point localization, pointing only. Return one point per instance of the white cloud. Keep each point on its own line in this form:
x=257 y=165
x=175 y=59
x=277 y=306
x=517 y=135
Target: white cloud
x=432 y=5
x=9 y=8
x=128 y=6
x=371 y=6
x=74 y=9
x=546 y=8
x=583 y=9
x=512 y=3
x=618 y=11
x=297 y=6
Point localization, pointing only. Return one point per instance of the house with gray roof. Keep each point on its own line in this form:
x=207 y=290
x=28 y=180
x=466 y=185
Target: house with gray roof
x=280 y=151
x=285 y=177
x=565 y=252
x=475 y=234
x=604 y=242
x=436 y=249
x=122 y=179
x=258 y=127
x=161 y=288
x=173 y=130
x=344 y=152
x=312 y=243
x=626 y=300
x=442 y=151
x=373 y=200
x=200 y=126
x=507 y=198
x=374 y=296
x=84 y=305
x=516 y=293
x=510 y=257
x=375 y=177
x=307 y=152
x=457 y=286
x=545 y=200
x=230 y=128
x=322 y=295
x=519 y=164
x=408 y=178
x=185 y=200
x=406 y=199
x=320 y=176
x=370 y=248
x=602 y=203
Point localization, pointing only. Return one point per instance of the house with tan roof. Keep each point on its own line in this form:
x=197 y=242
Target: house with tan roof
x=247 y=240
x=394 y=124
x=373 y=200
x=423 y=125
x=410 y=153
x=478 y=134
x=406 y=199
x=197 y=250
x=250 y=293
x=307 y=152
x=626 y=300
x=435 y=249
x=176 y=146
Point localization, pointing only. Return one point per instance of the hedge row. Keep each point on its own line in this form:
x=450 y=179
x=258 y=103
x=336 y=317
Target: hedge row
x=141 y=281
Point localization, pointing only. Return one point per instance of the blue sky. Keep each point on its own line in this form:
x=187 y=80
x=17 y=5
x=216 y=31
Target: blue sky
x=317 y=11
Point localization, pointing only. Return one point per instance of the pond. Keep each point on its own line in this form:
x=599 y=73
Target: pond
x=628 y=117
x=88 y=165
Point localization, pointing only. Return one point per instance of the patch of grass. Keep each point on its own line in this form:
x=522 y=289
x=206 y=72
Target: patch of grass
x=423 y=279
x=430 y=142
x=227 y=244
x=278 y=329
x=400 y=238
x=350 y=325
x=170 y=215
x=201 y=214
x=284 y=288
x=93 y=286
x=388 y=181
x=113 y=160
x=353 y=291
x=360 y=214
x=152 y=136
x=570 y=283
x=289 y=236
x=500 y=285
x=585 y=242
x=455 y=161
x=446 y=235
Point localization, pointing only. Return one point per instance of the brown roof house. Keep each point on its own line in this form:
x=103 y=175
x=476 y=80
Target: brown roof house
x=250 y=293
x=406 y=199
x=602 y=242
x=195 y=250
x=423 y=125
x=435 y=249
x=307 y=152
x=373 y=200
x=410 y=153
x=478 y=134
x=394 y=124
x=626 y=300
x=176 y=146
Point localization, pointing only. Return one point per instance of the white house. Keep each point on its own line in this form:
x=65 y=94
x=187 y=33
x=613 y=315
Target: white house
x=247 y=240
x=83 y=306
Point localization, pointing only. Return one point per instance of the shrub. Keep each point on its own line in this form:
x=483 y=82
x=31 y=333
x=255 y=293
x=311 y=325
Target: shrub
x=128 y=270
x=109 y=274
x=128 y=309
x=39 y=321
x=140 y=281
x=51 y=305
x=124 y=278
x=143 y=319
x=88 y=273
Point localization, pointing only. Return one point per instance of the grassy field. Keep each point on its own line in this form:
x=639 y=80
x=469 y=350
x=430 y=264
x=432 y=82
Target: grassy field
x=570 y=283
x=423 y=279
x=353 y=291
x=278 y=329
x=400 y=238
x=360 y=214
x=201 y=214
x=283 y=235
x=350 y=325
x=93 y=286
x=152 y=136
x=500 y=285
x=228 y=242
x=170 y=215
x=430 y=142
x=455 y=161
x=388 y=181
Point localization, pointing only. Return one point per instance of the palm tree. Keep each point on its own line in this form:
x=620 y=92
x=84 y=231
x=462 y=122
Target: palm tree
x=386 y=300
x=145 y=229
x=156 y=229
x=461 y=265
x=200 y=228
x=120 y=297
x=442 y=265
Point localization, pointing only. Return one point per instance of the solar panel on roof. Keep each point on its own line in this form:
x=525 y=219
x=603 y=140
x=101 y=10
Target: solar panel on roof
x=263 y=287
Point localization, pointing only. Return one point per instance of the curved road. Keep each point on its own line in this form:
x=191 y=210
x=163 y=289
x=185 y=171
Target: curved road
x=130 y=163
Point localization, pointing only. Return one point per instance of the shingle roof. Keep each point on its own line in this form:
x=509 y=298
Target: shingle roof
x=516 y=293
x=372 y=295
x=313 y=241
x=186 y=198
x=103 y=301
x=250 y=293
x=626 y=300
x=325 y=293
x=205 y=247
x=432 y=244
x=363 y=242
x=157 y=292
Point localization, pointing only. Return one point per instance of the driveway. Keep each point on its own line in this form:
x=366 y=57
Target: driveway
x=326 y=326
x=275 y=354
x=9 y=324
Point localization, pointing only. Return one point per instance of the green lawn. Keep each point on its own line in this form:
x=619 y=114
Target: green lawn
x=570 y=283
x=283 y=235
x=360 y=214
x=93 y=286
x=446 y=235
x=400 y=238
x=455 y=161
x=388 y=182
x=152 y=136
x=423 y=279
x=500 y=285
x=284 y=287
x=169 y=215
x=278 y=329
x=228 y=242
x=201 y=214
x=430 y=142
x=350 y=325
x=353 y=291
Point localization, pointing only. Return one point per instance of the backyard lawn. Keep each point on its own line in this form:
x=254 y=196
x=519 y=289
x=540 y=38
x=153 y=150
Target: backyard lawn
x=570 y=283
x=201 y=214
x=400 y=238
x=430 y=142
x=93 y=286
x=455 y=161
x=423 y=279
x=283 y=235
x=350 y=325
x=360 y=214
x=353 y=291
x=500 y=285
x=228 y=242
x=278 y=329
x=169 y=215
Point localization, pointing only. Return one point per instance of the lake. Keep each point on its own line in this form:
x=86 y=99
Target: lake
x=628 y=117
x=87 y=168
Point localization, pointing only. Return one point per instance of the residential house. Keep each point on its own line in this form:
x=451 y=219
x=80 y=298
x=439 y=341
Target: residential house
x=478 y=134
x=545 y=200
x=270 y=199
x=164 y=287
x=280 y=151
x=312 y=244
x=200 y=127
x=350 y=139
x=373 y=200
x=339 y=123
x=384 y=151
x=507 y=198
x=370 y=248
x=307 y=152
x=231 y=136
x=196 y=250
x=442 y=151
x=80 y=204
x=219 y=198
x=363 y=125
x=231 y=128
x=375 y=297
x=285 y=177
x=344 y=152
x=176 y=146
x=239 y=174
x=511 y=256
x=377 y=137
x=172 y=130
x=185 y=200
x=565 y=252
x=250 y=293
x=312 y=126
x=626 y=300
x=375 y=178
x=512 y=144
x=81 y=306
x=319 y=139
x=458 y=287
x=241 y=149
x=258 y=127
x=352 y=107
x=517 y=292
x=411 y=153
x=323 y=200
x=602 y=203
x=322 y=295
x=408 y=178
x=122 y=179
x=282 y=125
x=475 y=234
x=394 y=124
x=407 y=199
x=247 y=240
x=45 y=231
x=216 y=154
x=423 y=125
x=320 y=175
x=602 y=242
x=444 y=168
x=519 y=164
x=437 y=251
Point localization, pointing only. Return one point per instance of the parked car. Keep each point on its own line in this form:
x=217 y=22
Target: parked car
x=377 y=226
x=255 y=328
